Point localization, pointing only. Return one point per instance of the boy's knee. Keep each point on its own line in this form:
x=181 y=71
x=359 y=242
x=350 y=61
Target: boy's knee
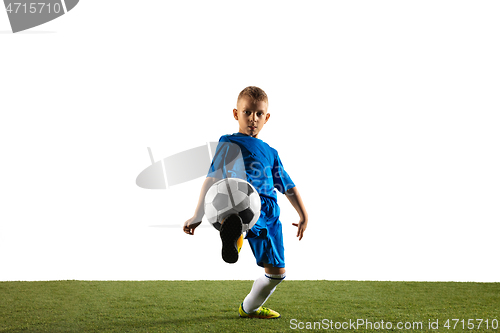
x=269 y=269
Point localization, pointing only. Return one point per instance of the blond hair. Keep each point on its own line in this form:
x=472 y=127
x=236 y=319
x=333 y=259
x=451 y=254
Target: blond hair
x=254 y=93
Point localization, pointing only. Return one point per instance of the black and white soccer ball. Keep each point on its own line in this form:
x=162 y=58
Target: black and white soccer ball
x=232 y=196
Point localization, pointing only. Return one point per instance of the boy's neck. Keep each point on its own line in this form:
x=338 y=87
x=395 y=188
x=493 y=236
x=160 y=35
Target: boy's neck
x=249 y=135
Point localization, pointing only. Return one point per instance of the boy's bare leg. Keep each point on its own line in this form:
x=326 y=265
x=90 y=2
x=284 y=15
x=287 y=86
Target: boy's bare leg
x=270 y=269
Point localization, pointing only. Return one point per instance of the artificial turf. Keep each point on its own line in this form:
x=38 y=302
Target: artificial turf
x=211 y=306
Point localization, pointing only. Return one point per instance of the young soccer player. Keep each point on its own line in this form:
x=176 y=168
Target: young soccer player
x=264 y=170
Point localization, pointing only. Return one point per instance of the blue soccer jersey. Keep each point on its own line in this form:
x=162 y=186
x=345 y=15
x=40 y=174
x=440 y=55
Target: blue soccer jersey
x=242 y=156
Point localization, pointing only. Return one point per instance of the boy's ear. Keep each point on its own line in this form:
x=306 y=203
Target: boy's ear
x=267 y=117
x=235 y=114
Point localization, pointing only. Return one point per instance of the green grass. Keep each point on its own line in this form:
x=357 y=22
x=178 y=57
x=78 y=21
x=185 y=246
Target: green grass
x=211 y=306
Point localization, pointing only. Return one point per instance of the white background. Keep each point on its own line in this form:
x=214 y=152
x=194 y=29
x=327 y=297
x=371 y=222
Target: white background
x=385 y=114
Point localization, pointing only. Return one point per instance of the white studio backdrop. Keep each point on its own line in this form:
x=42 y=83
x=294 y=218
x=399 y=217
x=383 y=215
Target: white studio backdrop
x=385 y=114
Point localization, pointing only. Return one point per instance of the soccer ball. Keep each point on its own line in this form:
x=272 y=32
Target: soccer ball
x=232 y=196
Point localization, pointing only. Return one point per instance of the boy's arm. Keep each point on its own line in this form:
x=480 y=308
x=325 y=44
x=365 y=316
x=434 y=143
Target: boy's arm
x=296 y=201
x=195 y=221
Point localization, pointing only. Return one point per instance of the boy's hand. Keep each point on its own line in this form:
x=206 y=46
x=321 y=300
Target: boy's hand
x=190 y=225
x=302 y=225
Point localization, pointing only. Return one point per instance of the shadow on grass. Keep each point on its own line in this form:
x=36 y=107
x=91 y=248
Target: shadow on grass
x=190 y=323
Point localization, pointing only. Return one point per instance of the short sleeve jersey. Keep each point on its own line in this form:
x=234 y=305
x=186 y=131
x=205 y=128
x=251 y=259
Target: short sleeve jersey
x=242 y=156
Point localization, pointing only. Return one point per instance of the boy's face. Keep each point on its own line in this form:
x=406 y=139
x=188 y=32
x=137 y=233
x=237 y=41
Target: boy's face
x=251 y=116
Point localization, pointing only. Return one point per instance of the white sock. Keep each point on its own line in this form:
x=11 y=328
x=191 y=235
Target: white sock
x=262 y=288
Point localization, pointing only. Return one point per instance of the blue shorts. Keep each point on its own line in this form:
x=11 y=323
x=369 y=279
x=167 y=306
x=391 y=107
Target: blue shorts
x=266 y=236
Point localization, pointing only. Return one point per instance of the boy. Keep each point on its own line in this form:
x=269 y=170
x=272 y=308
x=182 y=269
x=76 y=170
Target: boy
x=264 y=170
